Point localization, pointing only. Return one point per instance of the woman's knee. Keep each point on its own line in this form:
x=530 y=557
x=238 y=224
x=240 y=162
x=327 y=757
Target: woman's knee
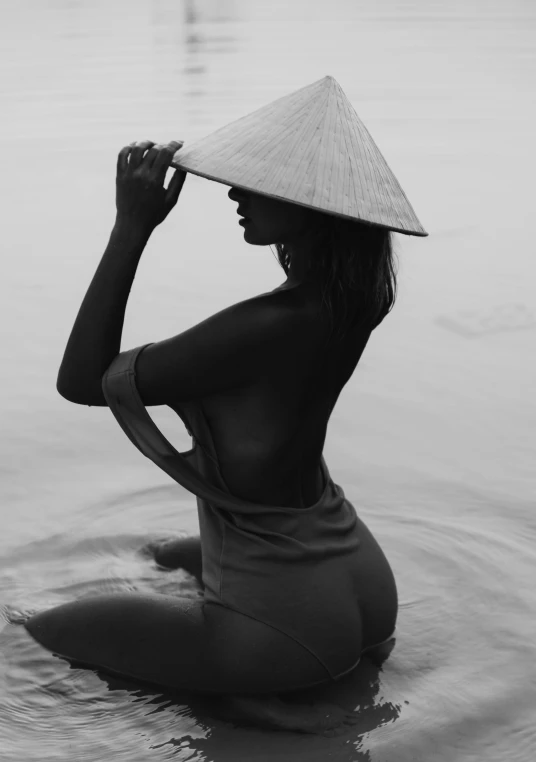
x=43 y=628
x=55 y=629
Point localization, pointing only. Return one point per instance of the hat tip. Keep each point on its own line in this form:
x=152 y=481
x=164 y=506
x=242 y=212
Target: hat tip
x=330 y=80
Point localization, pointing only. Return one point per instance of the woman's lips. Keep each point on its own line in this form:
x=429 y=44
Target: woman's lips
x=244 y=221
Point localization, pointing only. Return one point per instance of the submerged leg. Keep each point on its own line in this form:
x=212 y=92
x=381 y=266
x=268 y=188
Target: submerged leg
x=178 y=643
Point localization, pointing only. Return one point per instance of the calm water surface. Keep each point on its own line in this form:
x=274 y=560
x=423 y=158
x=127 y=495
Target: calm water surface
x=433 y=437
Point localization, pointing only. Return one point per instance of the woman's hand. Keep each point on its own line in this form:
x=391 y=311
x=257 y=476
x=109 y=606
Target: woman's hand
x=141 y=198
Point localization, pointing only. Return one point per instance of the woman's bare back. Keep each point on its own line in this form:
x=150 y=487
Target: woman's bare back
x=269 y=435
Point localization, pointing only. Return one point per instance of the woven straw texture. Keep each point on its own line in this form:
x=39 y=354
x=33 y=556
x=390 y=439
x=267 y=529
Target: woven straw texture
x=310 y=148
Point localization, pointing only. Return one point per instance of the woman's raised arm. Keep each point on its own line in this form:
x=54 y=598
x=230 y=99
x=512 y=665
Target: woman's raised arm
x=142 y=203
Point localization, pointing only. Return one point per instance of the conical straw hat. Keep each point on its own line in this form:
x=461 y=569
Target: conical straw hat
x=310 y=148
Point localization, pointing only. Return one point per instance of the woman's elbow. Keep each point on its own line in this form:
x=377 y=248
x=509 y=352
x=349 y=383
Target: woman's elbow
x=92 y=396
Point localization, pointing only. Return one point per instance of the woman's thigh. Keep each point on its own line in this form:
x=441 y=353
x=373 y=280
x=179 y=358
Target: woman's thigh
x=176 y=642
x=256 y=658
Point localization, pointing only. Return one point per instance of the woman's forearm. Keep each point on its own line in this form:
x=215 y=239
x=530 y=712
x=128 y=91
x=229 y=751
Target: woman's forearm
x=95 y=339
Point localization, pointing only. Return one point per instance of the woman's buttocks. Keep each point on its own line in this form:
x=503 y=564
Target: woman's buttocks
x=376 y=588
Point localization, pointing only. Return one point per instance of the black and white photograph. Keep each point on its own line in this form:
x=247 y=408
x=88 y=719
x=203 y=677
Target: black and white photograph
x=268 y=390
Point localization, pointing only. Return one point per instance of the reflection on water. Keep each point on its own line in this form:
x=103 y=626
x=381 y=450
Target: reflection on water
x=432 y=438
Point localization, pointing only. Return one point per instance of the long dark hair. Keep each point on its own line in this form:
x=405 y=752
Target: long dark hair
x=355 y=263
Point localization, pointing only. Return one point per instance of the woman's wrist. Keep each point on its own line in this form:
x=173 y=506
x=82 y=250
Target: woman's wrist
x=131 y=229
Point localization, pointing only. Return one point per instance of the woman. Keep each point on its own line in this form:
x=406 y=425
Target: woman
x=296 y=587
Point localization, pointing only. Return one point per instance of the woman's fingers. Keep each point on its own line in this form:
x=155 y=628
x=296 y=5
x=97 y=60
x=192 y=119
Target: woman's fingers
x=165 y=157
x=151 y=155
x=141 y=173
x=174 y=188
x=122 y=159
x=136 y=155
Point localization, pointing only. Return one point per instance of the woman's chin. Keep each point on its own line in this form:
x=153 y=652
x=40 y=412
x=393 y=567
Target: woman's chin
x=253 y=237
x=249 y=235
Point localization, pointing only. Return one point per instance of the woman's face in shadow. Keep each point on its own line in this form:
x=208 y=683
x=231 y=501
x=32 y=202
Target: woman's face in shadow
x=268 y=220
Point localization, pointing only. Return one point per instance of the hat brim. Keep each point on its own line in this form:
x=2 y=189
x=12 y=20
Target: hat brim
x=177 y=165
